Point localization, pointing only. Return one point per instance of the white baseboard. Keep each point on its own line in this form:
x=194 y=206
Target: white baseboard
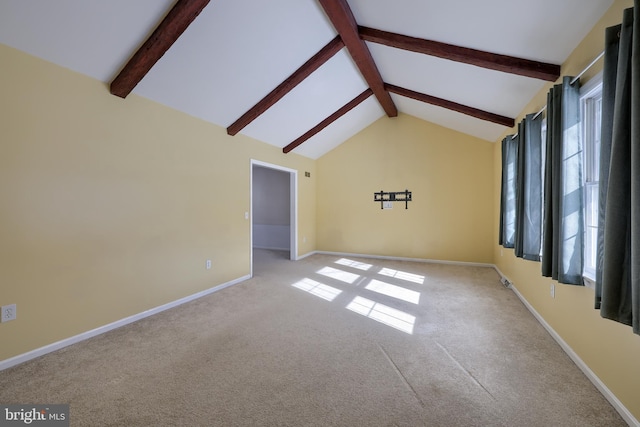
x=495 y=267
x=393 y=258
x=308 y=254
x=613 y=400
x=21 y=358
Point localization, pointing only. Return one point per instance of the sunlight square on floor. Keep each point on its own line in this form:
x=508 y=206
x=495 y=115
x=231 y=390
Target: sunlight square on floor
x=394 y=291
x=341 y=275
x=381 y=313
x=355 y=264
x=318 y=289
x=410 y=277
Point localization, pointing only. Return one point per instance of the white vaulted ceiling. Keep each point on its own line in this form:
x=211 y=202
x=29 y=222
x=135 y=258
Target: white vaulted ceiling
x=237 y=51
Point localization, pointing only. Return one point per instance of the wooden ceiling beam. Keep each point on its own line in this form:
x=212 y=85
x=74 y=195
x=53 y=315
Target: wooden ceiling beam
x=342 y=18
x=326 y=53
x=172 y=26
x=450 y=105
x=492 y=61
x=332 y=118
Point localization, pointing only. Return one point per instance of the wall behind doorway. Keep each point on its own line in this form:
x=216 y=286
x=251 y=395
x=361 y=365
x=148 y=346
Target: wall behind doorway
x=271 y=209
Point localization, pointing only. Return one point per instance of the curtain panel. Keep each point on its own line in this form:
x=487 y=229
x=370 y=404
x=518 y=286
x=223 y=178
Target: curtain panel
x=563 y=225
x=618 y=259
x=508 y=192
x=528 y=231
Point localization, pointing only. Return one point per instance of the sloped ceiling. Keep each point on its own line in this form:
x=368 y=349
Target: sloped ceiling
x=235 y=52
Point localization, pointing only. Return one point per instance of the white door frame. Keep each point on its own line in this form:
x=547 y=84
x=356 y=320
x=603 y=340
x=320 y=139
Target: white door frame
x=293 y=205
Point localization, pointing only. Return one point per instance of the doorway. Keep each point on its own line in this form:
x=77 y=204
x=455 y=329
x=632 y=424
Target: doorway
x=274 y=208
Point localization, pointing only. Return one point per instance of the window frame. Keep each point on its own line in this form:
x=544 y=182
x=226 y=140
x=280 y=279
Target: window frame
x=590 y=130
x=543 y=163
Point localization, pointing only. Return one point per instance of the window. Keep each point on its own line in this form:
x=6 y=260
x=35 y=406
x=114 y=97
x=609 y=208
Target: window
x=591 y=104
x=543 y=162
x=508 y=193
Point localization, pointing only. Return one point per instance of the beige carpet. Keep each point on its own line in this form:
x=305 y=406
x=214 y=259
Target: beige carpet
x=325 y=341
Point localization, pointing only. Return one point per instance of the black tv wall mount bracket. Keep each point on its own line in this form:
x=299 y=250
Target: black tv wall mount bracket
x=392 y=196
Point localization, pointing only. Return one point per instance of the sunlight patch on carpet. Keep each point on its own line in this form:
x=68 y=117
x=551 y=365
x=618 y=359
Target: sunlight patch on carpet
x=355 y=264
x=381 y=313
x=394 y=291
x=341 y=275
x=403 y=275
x=318 y=289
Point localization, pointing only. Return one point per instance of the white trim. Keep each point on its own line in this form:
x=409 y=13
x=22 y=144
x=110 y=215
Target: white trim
x=21 y=358
x=588 y=281
x=308 y=254
x=293 y=235
x=591 y=85
x=503 y=279
x=393 y=258
x=293 y=202
x=502 y=276
x=608 y=394
x=272 y=166
x=589 y=91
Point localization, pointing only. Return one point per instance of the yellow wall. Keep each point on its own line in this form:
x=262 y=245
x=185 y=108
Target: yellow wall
x=110 y=207
x=449 y=175
x=610 y=349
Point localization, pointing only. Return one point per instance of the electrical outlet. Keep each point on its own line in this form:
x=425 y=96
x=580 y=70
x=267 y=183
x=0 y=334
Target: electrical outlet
x=552 y=291
x=8 y=312
x=208 y=264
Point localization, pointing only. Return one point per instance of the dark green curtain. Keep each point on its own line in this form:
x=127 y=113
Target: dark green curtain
x=528 y=231
x=618 y=267
x=508 y=192
x=562 y=248
x=609 y=74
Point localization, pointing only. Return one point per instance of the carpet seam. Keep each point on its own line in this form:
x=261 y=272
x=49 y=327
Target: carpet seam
x=465 y=370
x=399 y=372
